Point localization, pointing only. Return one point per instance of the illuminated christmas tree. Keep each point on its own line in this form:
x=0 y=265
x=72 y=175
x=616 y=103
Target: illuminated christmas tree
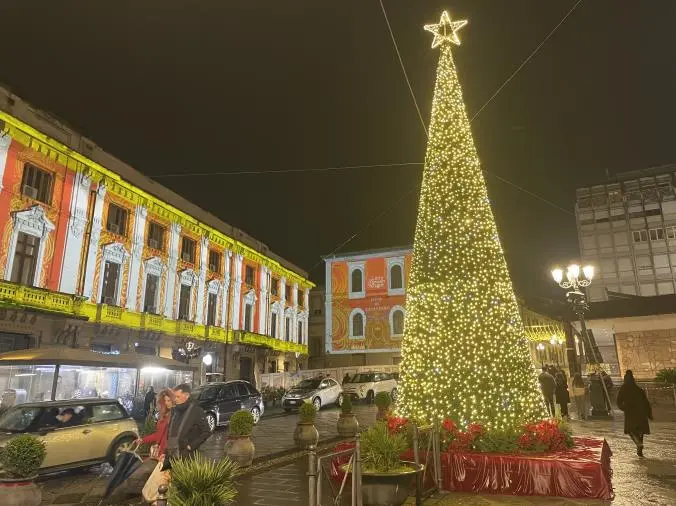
x=465 y=354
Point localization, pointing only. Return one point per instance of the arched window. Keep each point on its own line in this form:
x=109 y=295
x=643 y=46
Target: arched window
x=358 y=325
x=398 y=322
x=396 y=277
x=357 y=281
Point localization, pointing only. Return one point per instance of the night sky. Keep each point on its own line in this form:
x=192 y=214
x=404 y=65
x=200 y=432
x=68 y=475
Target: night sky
x=224 y=86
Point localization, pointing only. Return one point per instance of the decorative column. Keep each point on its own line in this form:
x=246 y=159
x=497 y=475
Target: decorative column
x=237 y=290
x=201 y=280
x=281 y=324
x=94 y=238
x=306 y=305
x=172 y=279
x=294 y=313
x=227 y=256
x=5 y=141
x=77 y=223
x=138 y=239
x=263 y=303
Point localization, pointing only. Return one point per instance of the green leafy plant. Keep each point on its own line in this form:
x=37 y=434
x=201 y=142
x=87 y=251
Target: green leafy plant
x=241 y=423
x=307 y=413
x=346 y=406
x=279 y=393
x=199 y=481
x=667 y=375
x=149 y=426
x=22 y=457
x=381 y=449
x=268 y=393
x=506 y=441
x=383 y=401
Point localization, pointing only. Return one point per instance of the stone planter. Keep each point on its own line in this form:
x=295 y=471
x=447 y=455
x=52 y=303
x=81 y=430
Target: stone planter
x=348 y=425
x=21 y=492
x=305 y=435
x=241 y=449
x=382 y=414
x=388 y=489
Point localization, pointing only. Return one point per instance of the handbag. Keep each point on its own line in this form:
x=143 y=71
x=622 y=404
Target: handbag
x=155 y=452
x=157 y=478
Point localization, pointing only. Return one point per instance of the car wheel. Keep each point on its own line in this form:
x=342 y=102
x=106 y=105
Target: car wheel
x=256 y=413
x=394 y=394
x=122 y=445
x=339 y=400
x=211 y=420
x=287 y=410
x=369 y=397
x=317 y=402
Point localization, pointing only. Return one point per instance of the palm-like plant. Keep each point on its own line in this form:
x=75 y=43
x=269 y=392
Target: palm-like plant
x=198 y=481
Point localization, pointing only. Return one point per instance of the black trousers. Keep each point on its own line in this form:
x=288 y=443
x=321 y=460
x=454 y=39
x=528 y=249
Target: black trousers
x=549 y=401
x=564 y=408
x=637 y=438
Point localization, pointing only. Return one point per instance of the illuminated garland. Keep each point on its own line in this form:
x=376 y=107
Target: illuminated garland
x=464 y=354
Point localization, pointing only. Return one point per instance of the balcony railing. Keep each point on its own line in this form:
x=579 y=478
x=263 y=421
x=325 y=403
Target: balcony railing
x=245 y=337
x=38 y=298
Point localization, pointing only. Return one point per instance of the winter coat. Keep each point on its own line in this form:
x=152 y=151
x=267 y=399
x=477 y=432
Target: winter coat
x=562 y=395
x=193 y=432
x=637 y=410
x=547 y=383
x=159 y=437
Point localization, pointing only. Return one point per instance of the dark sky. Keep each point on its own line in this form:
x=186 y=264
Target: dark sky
x=207 y=86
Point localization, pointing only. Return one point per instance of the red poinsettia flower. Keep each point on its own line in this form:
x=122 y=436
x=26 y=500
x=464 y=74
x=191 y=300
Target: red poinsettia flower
x=395 y=423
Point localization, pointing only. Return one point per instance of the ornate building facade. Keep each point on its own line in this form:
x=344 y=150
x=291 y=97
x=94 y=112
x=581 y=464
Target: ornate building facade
x=96 y=255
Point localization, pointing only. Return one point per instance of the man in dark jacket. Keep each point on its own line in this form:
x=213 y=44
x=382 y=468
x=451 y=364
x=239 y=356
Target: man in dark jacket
x=548 y=387
x=188 y=427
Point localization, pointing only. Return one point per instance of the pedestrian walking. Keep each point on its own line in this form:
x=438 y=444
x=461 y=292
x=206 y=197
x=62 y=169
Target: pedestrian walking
x=346 y=378
x=548 y=387
x=188 y=427
x=579 y=392
x=158 y=439
x=149 y=402
x=637 y=411
x=562 y=395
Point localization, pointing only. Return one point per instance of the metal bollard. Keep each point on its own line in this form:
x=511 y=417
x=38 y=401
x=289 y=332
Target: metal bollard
x=418 y=475
x=356 y=473
x=312 y=474
x=162 y=495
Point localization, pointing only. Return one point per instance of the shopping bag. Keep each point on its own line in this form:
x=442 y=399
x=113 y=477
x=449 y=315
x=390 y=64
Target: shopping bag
x=155 y=452
x=157 y=478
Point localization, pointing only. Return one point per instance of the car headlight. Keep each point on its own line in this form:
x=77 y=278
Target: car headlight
x=361 y=390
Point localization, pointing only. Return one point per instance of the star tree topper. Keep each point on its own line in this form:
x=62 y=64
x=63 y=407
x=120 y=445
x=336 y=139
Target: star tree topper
x=445 y=30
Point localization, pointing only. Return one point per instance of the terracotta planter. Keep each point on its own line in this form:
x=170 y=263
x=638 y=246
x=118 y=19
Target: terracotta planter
x=305 y=435
x=348 y=425
x=388 y=489
x=21 y=492
x=240 y=449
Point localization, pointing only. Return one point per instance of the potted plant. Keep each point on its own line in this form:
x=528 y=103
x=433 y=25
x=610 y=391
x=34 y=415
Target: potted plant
x=306 y=434
x=267 y=393
x=386 y=479
x=20 y=460
x=348 y=425
x=383 y=403
x=197 y=480
x=240 y=448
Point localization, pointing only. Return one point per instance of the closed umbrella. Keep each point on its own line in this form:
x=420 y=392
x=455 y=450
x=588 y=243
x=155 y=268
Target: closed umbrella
x=126 y=463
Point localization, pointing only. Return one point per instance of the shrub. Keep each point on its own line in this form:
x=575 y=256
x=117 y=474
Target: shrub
x=381 y=449
x=346 y=407
x=383 y=401
x=241 y=423
x=307 y=412
x=268 y=393
x=279 y=393
x=198 y=481
x=22 y=457
x=667 y=375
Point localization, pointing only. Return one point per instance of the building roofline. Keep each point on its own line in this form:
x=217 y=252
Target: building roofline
x=372 y=251
x=656 y=170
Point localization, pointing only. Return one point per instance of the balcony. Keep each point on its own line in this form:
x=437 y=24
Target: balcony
x=38 y=298
x=245 y=337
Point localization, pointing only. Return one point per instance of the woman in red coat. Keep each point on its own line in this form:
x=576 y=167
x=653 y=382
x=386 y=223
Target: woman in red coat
x=165 y=401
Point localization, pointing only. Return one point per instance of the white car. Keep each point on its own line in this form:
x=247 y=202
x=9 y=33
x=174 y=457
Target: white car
x=366 y=385
x=319 y=391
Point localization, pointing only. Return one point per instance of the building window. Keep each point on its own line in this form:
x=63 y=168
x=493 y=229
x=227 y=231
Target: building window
x=25 y=259
x=273 y=325
x=356 y=281
x=640 y=236
x=184 y=302
x=300 y=332
x=152 y=291
x=274 y=286
x=212 y=304
x=396 y=277
x=287 y=366
x=248 y=317
x=215 y=261
x=111 y=280
x=357 y=320
x=287 y=293
x=37 y=184
x=671 y=232
x=117 y=220
x=397 y=321
x=656 y=234
x=156 y=236
x=188 y=250
x=287 y=328
x=272 y=367
x=299 y=295
x=249 y=275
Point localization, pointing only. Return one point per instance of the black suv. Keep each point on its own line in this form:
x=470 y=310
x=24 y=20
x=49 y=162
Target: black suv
x=220 y=400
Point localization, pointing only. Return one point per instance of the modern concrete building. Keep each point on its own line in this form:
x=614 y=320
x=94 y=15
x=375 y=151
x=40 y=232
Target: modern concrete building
x=627 y=230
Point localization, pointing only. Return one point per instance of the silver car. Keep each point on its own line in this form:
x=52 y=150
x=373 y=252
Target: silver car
x=318 y=391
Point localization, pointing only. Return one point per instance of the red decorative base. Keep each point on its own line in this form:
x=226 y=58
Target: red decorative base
x=582 y=472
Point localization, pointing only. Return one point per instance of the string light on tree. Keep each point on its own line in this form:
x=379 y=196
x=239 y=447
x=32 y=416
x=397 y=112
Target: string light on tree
x=465 y=354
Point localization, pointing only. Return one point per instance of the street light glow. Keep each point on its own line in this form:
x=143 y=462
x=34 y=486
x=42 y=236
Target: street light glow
x=588 y=271
x=557 y=274
x=573 y=272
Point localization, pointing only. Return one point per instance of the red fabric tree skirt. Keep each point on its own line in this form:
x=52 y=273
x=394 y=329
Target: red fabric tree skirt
x=582 y=472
